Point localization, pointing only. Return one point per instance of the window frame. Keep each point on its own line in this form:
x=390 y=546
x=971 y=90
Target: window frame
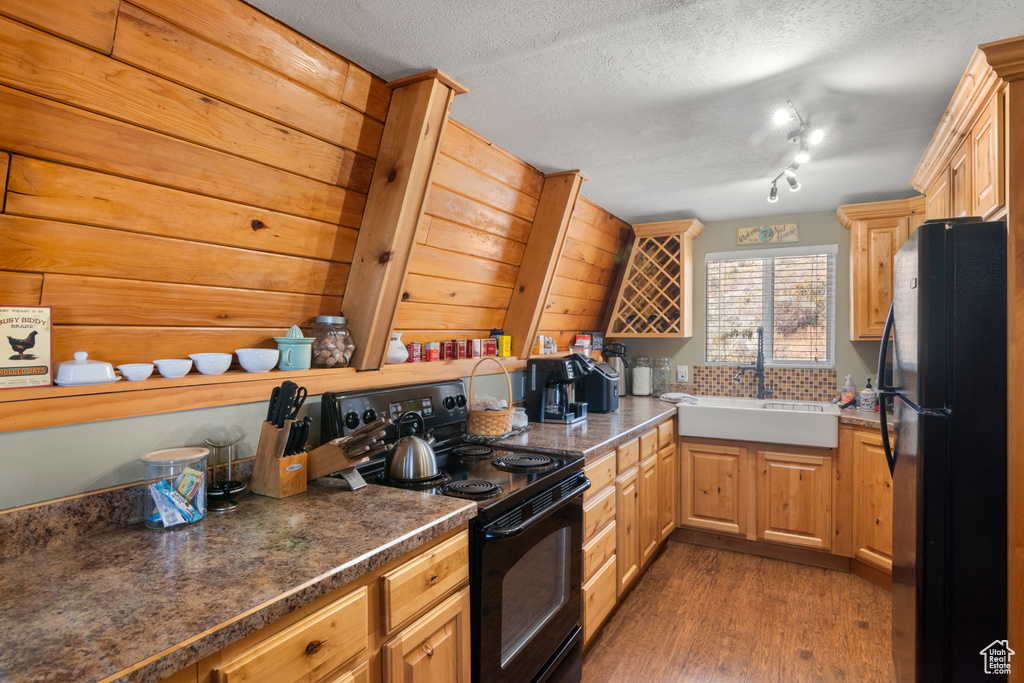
x=768 y=301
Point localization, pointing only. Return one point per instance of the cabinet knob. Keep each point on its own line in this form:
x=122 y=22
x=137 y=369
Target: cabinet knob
x=429 y=650
x=312 y=648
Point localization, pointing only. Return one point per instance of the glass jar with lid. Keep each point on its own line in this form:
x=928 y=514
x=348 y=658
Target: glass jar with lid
x=175 y=487
x=332 y=345
x=662 y=375
x=642 y=376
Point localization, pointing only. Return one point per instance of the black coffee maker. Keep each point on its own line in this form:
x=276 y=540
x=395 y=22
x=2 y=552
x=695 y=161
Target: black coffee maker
x=549 y=389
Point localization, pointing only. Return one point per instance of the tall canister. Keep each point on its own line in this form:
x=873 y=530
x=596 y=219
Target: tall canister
x=175 y=487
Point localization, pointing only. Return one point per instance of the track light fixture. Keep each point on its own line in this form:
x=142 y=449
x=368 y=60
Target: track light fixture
x=799 y=133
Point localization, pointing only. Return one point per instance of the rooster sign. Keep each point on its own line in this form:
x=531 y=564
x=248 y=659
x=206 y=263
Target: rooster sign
x=25 y=357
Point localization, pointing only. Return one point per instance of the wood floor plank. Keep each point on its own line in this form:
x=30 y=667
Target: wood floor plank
x=704 y=614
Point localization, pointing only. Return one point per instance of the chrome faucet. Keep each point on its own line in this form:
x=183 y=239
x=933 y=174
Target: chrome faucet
x=757 y=367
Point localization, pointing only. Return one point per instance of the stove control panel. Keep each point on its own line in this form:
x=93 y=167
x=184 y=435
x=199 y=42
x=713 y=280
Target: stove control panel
x=439 y=404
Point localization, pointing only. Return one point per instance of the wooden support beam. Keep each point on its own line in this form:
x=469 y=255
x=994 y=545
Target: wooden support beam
x=401 y=178
x=540 y=259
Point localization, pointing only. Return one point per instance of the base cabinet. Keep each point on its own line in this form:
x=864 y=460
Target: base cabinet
x=668 y=489
x=762 y=492
x=407 y=621
x=872 y=501
x=714 y=487
x=435 y=649
x=794 y=498
x=650 y=521
x=627 y=523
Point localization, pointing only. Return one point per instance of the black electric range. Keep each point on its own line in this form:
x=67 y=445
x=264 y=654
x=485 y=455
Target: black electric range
x=525 y=542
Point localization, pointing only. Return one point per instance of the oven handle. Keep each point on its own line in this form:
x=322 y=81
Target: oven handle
x=499 y=533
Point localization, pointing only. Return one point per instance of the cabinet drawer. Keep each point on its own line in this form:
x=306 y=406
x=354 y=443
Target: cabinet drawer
x=597 y=512
x=597 y=552
x=410 y=589
x=629 y=454
x=318 y=643
x=648 y=444
x=601 y=472
x=598 y=599
x=666 y=433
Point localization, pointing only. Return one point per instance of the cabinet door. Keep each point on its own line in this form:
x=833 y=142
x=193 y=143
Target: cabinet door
x=668 y=490
x=937 y=199
x=960 y=180
x=434 y=649
x=713 y=493
x=873 y=244
x=650 y=524
x=598 y=599
x=794 y=499
x=872 y=501
x=987 y=160
x=627 y=518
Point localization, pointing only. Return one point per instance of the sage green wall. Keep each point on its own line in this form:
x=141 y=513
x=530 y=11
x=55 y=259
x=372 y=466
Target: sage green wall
x=43 y=464
x=859 y=359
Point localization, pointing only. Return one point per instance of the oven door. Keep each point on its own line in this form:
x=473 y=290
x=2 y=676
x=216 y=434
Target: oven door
x=526 y=574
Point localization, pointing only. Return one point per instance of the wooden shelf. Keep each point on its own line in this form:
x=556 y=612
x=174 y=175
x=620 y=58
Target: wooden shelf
x=34 y=408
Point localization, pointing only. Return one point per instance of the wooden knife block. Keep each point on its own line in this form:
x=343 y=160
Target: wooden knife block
x=275 y=475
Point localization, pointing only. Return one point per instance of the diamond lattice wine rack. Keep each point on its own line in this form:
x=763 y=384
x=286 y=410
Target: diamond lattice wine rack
x=655 y=290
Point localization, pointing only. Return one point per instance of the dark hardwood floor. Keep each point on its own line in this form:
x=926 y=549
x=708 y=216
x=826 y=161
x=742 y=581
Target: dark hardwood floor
x=705 y=615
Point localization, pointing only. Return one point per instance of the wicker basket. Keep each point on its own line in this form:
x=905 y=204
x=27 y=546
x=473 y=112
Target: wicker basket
x=490 y=422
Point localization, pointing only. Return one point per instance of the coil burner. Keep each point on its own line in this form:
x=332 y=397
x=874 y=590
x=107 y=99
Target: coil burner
x=516 y=462
x=473 y=453
x=475 y=489
x=421 y=485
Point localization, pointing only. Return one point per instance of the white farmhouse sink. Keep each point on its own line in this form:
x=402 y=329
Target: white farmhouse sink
x=798 y=423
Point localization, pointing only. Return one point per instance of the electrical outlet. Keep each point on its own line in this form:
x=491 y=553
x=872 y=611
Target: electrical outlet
x=682 y=373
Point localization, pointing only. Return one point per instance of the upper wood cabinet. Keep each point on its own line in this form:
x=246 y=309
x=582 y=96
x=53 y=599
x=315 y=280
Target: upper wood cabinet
x=962 y=171
x=877 y=231
x=654 y=288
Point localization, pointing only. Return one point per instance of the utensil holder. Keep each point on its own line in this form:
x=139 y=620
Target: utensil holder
x=489 y=422
x=275 y=474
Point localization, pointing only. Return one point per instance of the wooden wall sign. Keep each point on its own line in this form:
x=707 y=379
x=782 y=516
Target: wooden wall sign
x=25 y=347
x=767 y=234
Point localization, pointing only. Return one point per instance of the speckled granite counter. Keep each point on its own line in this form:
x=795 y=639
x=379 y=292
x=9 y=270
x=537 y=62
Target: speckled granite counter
x=860 y=418
x=143 y=604
x=600 y=431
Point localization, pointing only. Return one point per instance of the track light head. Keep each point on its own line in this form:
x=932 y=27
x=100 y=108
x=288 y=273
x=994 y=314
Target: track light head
x=816 y=136
x=773 y=195
x=802 y=157
x=791 y=179
x=781 y=116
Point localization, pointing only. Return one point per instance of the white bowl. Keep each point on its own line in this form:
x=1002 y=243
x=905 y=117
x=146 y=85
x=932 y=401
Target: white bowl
x=211 y=363
x=172 y=368
x=257 y=360
x=136 y=372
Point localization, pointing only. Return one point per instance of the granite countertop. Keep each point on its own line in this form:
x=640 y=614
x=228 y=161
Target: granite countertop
x=141 y=604
x=863 y=418
x=600 y=431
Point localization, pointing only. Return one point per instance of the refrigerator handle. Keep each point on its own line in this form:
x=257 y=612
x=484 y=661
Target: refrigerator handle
x=885 y=391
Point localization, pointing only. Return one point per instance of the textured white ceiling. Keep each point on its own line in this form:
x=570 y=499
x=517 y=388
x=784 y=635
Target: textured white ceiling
x=666 y=104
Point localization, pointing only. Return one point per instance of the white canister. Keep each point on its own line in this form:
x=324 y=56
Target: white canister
x=397 y=353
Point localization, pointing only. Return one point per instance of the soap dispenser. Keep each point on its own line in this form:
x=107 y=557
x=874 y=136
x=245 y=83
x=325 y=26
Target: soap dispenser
x=849 y=391
x=868 y=399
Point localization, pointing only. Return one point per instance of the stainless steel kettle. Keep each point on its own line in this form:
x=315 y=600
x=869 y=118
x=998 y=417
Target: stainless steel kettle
x=412 y=458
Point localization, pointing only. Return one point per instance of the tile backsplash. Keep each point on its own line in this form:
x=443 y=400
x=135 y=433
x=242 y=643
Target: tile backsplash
x=790 y=384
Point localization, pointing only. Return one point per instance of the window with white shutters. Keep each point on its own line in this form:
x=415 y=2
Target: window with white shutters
x=791 y=293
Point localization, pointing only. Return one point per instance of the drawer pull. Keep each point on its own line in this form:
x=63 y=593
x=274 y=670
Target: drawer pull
x=429 y=650
x=312 y=648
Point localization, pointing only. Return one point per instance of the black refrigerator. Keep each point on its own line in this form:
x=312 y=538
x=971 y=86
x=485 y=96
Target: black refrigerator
x=948 y=458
